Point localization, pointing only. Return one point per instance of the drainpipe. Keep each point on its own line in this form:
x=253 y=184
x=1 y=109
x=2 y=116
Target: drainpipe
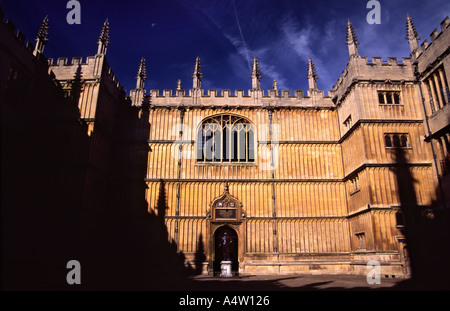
x=180 y=152
x=274 y=214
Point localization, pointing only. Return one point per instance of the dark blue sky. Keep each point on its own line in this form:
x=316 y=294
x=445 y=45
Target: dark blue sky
x=226 y=35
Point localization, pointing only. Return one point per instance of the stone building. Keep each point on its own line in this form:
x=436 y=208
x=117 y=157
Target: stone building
x=298 y=182
x=312 y=180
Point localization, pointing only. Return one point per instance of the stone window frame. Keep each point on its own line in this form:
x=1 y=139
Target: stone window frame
x=355 y=186
x=389 y=98
x=210 y=133
x=397 y=140
x=348 y=122
x=361 y=239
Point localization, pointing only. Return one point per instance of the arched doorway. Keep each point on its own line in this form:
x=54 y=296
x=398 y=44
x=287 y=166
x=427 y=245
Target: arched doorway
x=225 y=248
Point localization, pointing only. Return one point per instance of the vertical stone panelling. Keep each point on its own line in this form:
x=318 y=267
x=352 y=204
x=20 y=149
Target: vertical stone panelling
x=259 y=236
x=191 y=234
x=354 y=151
x=309 y=161
x=366 y=98
x=316 y=199
x=374 y=139
x=306 y=125
x=312 y=236
x=380 y=184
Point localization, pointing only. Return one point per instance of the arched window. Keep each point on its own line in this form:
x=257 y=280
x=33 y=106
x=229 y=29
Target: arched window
x=226 y=138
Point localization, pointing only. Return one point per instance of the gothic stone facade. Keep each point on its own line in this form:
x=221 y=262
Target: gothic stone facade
x=305 y=182
x=319 y=191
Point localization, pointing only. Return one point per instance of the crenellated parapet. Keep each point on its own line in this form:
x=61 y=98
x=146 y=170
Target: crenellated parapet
x=255 y=97
x=14 y=38
x=241 y=98
x=91 y=68
x=435 y=50
x=374 y=70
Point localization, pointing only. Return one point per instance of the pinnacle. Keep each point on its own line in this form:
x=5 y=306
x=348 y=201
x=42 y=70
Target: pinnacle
x=256 y=72
x=312 y=70
x=104 y=35
x=142 y=72
x=351 y=35
x=43 y=31
x=411 y=32
x=197 y=68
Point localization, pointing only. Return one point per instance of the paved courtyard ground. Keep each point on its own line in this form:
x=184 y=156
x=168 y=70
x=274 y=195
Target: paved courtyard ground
x=295 y=283
x=291 y=282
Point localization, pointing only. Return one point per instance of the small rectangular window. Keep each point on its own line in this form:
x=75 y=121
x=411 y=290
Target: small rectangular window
x=354 y=185
x=389 y=97
x=388 y=140
x=361 y=239
x=348 y=122
x=396 y=140
x=381 y=98
x=400 y=219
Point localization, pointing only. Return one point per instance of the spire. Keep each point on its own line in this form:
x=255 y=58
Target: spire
x=103 y=40
x=411 y=35
x=312 y=75
x=352 y=41
x=197 y=75
x=42 y=37
x=141 y=75
x=256 y=75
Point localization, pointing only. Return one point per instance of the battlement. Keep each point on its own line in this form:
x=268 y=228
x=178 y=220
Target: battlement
x=63 y=61
x=374 y=69
x=390 y=61
x=239 y=93
x=239 y=98
x=90 y=68
x=16 y=41
x=435 y=34
x=438 y=44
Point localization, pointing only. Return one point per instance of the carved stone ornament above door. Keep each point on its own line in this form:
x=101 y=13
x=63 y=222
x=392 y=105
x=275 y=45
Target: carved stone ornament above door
x=226 y=208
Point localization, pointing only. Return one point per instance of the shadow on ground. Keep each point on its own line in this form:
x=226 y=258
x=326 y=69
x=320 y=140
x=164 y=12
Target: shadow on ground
x=154 y=281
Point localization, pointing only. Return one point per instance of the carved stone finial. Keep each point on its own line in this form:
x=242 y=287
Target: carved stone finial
x=43 y=31
x=103 y=40
x=225 y=187
x=275 y=87
x=256 y=75
x=141 y=75
x=42 y=37
x=351 y=41
x=312 y=75
x=179 y=85
x=197 y=75
x=411 y=35
x=142 y=71
x=411 y=32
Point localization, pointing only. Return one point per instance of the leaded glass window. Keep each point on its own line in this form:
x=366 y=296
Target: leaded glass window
x=226 y=138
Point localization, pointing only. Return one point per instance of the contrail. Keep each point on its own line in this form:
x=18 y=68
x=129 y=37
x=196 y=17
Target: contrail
x=242 y=36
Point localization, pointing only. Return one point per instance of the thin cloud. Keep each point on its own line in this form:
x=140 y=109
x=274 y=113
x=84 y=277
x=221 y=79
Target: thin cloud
x=302 y=40
x=240 y=32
